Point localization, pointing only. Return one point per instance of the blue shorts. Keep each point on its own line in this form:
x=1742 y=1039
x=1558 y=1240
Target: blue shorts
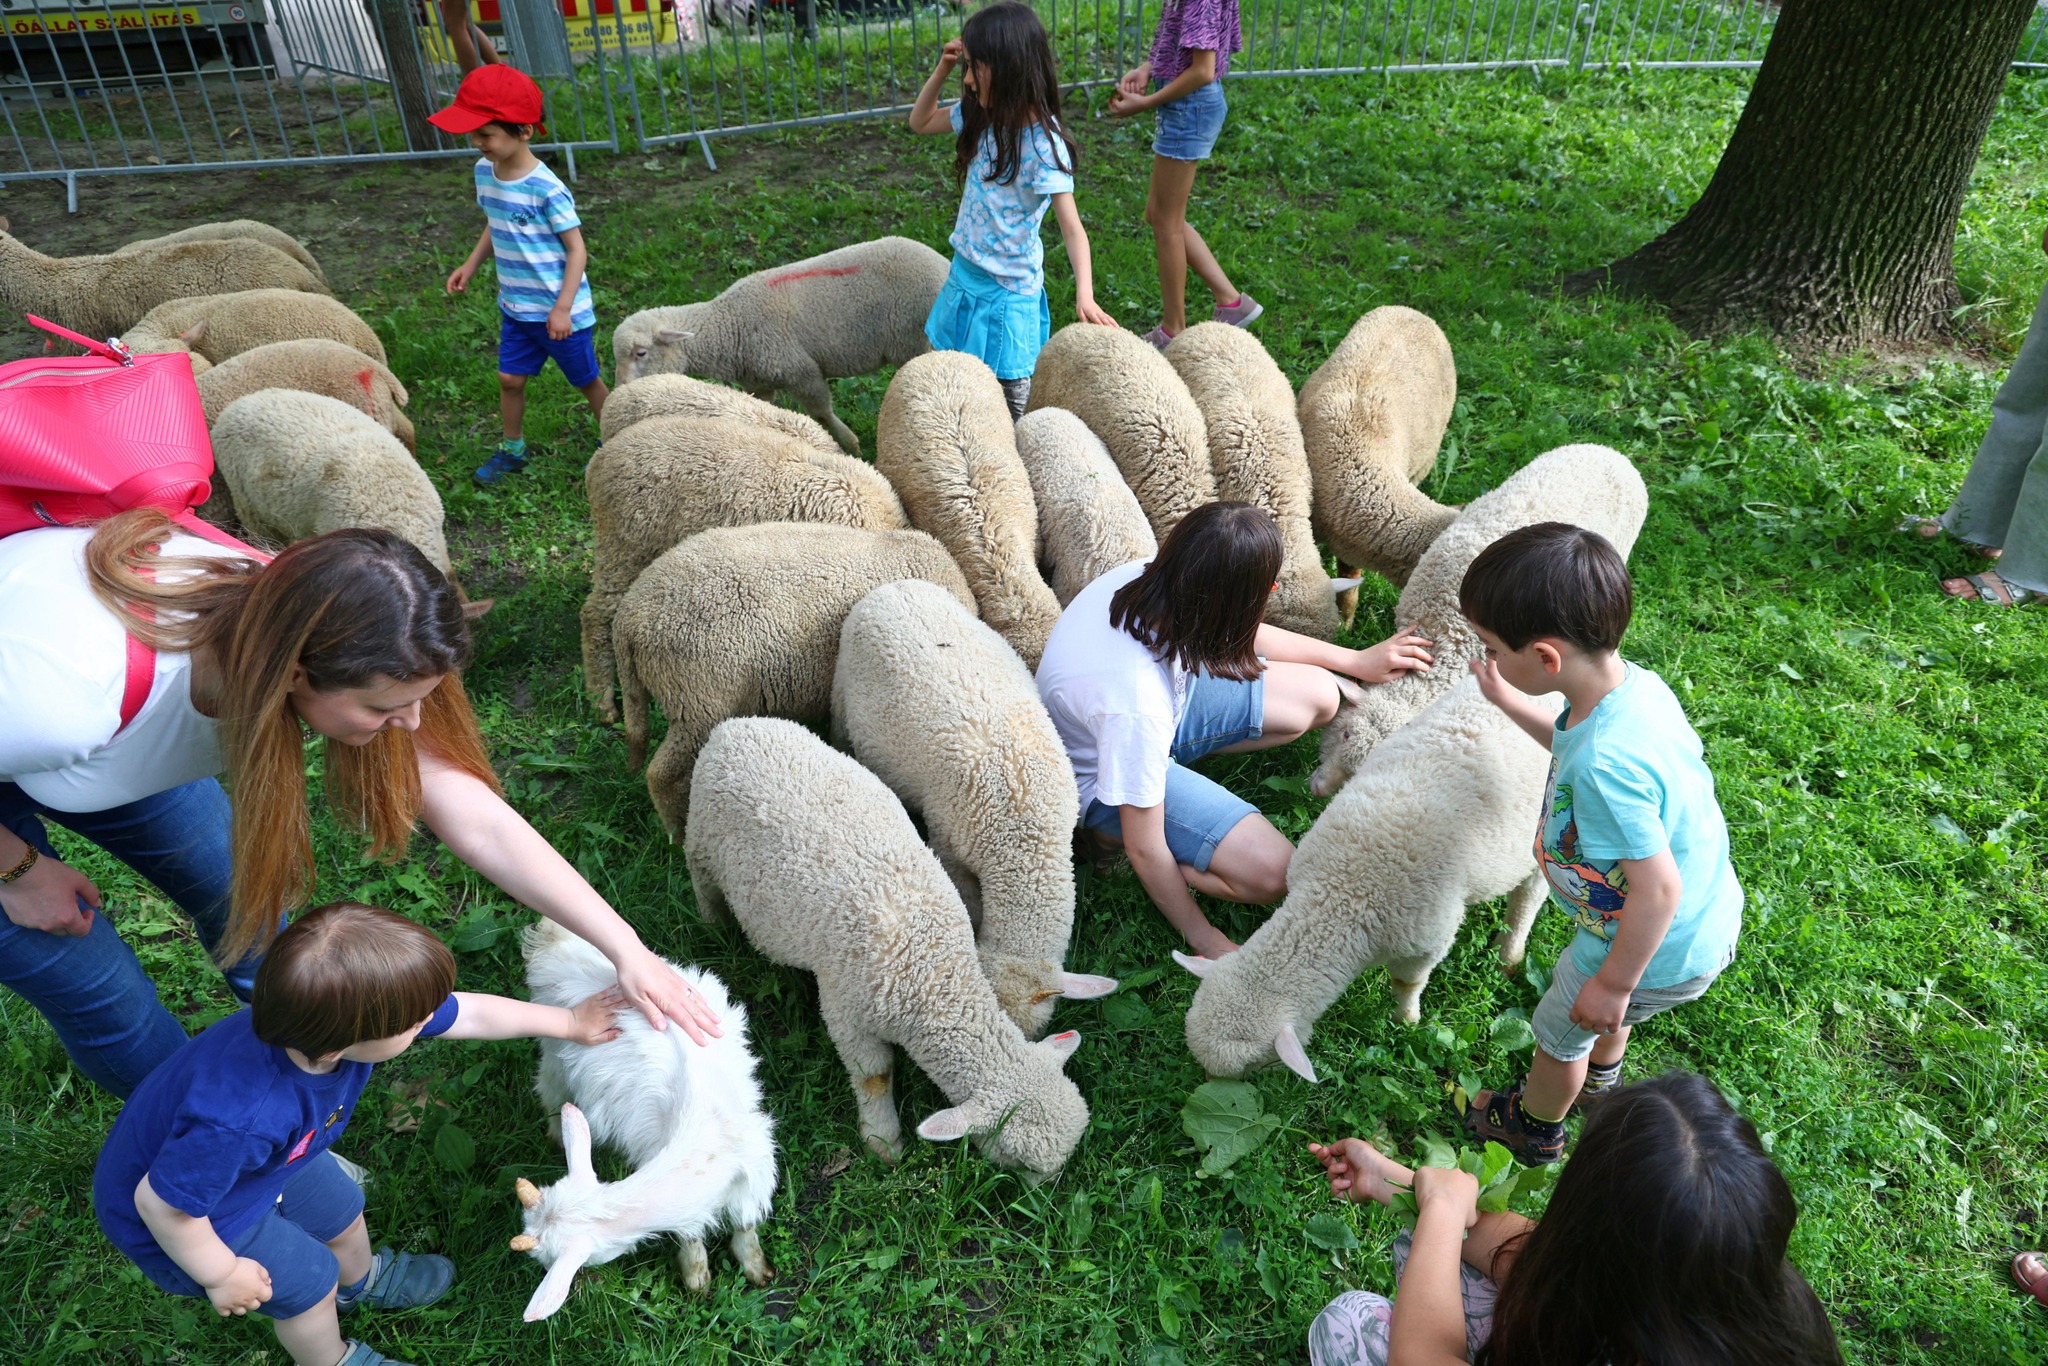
x=524 y=347
x=1201 y=811
x=976 y=314
x=290 y=1242
x=1188 y=128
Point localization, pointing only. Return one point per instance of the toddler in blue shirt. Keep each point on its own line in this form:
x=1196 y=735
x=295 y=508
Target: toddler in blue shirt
x=1631 y=839
x=217 y=1180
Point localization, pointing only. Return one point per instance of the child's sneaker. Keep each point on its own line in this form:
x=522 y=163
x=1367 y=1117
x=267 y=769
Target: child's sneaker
x=399 y=1280
x=1159 y=337
x=362 y=1354
x=1496 y=1116
x=1243 y=313
x=509 y=458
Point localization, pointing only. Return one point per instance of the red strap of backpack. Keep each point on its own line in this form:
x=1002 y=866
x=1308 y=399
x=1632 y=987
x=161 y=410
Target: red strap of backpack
x=110 y=349
x=141 y=656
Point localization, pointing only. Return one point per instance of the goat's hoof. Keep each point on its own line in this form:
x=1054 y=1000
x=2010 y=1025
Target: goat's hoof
x=891 y=1153
x=759 y=1274
x=696 y=1267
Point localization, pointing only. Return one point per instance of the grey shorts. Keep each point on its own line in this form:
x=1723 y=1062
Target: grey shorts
x=1565 y=1041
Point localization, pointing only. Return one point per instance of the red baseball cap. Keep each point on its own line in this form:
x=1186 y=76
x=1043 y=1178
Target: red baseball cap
x=495 y=92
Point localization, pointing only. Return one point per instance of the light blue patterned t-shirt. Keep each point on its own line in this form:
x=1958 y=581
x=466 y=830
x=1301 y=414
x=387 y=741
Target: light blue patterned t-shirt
x=1628 y=782
x=528 y=217
x=998 y=224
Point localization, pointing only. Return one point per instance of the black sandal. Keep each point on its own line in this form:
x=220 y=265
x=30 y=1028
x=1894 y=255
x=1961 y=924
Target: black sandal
x=1496 y=1117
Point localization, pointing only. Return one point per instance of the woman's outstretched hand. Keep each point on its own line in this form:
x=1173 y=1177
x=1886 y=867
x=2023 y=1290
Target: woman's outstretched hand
x=1404 y=650
x=653 y=988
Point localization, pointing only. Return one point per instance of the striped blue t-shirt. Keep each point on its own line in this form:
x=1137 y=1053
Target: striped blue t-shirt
x=528 y=217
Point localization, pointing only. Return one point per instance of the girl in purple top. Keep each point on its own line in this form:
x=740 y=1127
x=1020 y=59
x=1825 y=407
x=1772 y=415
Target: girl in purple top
x=1190 y=54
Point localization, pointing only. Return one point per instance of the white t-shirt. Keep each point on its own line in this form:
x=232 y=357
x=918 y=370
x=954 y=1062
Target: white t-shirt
x=1115 y=706
x=63 y=668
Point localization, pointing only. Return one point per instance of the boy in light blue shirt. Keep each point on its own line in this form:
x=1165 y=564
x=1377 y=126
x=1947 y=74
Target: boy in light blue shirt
x=1632 y=841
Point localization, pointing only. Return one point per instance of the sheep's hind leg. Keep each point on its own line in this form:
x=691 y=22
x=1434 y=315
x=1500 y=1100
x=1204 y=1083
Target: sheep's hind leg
x=695 y=1265
x=870 y=1064
x=746 y=1245
x=815 y=394
x=1523 y=904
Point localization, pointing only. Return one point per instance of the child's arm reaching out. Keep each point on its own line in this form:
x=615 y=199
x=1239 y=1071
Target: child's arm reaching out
x=478 y=1016
x=925 y=115
x=234 y=1284
x=1076 y=238
x=1521 y=709
x=459 y=278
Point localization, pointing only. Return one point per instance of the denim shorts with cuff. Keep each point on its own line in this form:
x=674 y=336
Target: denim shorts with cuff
x=1566 y=1042
x=1199 y=810
x=1188 y=128
x=524 y=348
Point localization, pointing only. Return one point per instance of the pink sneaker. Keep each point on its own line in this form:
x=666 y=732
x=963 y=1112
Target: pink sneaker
x=1159 y=337
x=1243 y=313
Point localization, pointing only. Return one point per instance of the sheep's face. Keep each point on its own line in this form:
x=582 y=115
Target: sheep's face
x=1032 y=1122
x=1233 y=1029
x=1026 y=988
x=657 y=351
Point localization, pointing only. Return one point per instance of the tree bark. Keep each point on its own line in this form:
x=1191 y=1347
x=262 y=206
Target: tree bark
x=408 y=73
x=1832 y=215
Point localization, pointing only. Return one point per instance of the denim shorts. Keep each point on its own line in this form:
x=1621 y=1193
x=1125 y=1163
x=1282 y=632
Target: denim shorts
x=1188 y=128
x=1565 y=1041
x=1200 y=811
x=524 y=347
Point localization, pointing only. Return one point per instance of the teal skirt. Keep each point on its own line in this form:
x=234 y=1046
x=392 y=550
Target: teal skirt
x=975 y=314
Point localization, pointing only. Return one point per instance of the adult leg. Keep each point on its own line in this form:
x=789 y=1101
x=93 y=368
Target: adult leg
x=1983 y=509
x=2025 y=563
x=472 y=48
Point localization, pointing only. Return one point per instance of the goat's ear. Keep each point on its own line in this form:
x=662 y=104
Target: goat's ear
x=1287 y=1044
x=1198 y=966
x=576 y=1141
x=194 y=334
x=553 y=1289
x=946 y=1125
x=1062 y=1045
x=671 y=335
x=1080 y=986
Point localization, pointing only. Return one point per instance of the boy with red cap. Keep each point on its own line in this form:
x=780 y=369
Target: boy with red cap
x=532 y=228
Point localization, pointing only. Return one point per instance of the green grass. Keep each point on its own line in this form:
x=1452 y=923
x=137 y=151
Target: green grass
x=1878 y=750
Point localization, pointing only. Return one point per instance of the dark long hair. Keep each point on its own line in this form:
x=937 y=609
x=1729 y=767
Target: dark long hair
x=1199 y=603
x=1664 y=1245
x=1023 y=90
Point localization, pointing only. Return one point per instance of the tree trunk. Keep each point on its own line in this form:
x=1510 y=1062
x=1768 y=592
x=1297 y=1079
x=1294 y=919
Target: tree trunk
x=1832 y=215
x=408 y=72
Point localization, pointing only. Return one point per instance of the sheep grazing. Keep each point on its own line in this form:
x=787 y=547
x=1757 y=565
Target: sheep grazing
x=231 y=230
x=1128 y=395
x=940 y=709
x=1438 y=819
x=744 y=621
x=218 y=326
x=103 y=295
x=943 y=439
x=1089 y=522
x=791 y=328
x=316 y=366
x=1255 y=449
x=1372 y=417
x=1588 y=486
x=823 y=870
x=298 y=464
x=681 y=396
x=667 y=478
x=688 y=1118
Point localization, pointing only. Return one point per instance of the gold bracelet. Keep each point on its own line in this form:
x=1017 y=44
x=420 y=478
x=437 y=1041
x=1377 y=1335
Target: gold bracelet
x=28 y=861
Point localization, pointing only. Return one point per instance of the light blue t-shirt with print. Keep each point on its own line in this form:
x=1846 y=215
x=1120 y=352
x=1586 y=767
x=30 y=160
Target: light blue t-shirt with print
x=1628 y=782
x=528 y=217
x=997 y=228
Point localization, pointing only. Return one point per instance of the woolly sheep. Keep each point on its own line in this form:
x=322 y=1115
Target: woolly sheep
x=233 y=229
x=298 y=464
x=1588 y=486
x=1255 y=450
x=940 y=709
x=1438 y=819
x=1089 y=522
x=744 y=621
x=681 y=396
x=218 y=326
x=666 y=478
x=688 y=1117
x=823 y=870
x=791 y=328
x=103 y=295
x=1372 y=417
x=1130 y=396
x=943 y=439
x=317 y=366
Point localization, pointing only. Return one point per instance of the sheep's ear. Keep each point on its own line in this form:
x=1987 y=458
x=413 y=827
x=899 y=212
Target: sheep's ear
x=671 y=335
x=554 y=1287
x=1062 y=1045
x=1287 y=1044
x=194 y=334
x=1198 y=966
x=472 y=610
x=944 y=1126
x=1347 y=691
x=1080 y=986
x=1342 y=586
x=5 y=226
x=576 y=1141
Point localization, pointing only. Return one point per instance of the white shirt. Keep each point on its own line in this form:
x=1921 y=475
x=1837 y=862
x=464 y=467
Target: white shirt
x=63 y=668
x=1114 y=704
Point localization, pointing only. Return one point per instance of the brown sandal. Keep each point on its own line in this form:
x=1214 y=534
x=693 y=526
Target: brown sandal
x=2030 y=1273
x=1988 y=587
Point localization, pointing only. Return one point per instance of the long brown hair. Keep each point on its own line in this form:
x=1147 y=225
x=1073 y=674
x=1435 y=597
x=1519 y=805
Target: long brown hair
x=346 y=973
x=347 y=606
x=1199 y=603
x=1024 y=90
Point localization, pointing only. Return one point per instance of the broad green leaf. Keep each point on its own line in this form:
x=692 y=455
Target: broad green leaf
x=1330 y=1233
x=1270 y=1279
x=454 y=1149
x=475 y=933
x=1436 y=1152
x=1227 y=1121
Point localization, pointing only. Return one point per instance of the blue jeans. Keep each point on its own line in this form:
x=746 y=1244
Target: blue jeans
x=90 y=988
x=1200 y=811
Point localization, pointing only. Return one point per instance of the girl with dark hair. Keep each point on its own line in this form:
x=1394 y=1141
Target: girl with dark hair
x=1161 y=662
x=1664 y=1245
x=1013 y=159
x=353 y=635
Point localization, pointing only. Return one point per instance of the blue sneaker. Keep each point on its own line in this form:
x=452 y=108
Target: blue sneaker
x=509 y=458
x=398 y=1280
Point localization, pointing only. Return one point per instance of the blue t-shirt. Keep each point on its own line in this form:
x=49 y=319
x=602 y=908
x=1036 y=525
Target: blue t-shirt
x=997 y=228
x=1629 y=782
x=528 y=217
x=219 y=1127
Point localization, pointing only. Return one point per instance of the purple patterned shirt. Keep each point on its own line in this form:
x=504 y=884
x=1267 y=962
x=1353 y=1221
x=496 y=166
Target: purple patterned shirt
x=1195 y=25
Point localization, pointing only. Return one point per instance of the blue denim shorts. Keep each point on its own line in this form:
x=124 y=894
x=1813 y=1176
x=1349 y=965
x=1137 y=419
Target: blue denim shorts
x=1201 y=811
x=1565 y=1041
x=524 y=347
x=1188 y=128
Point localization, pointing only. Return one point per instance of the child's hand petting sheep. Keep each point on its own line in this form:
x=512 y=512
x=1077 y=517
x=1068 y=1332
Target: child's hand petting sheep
x=597 y=1017
x=1406 y=649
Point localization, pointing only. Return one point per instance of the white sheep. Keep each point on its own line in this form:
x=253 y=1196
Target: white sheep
x=1588 y=486
x=103 y=295
x=942 y=710
x=688 y=1117
x=298 y=464
x=681 y=396
x=744 y=621
x=943 y=439
x=317 y=366
x=232 y=229
x=1372 y=417
x=1440 y=818
x=823 y=870
x=1089 y=521
x=1127 y=394
x=217 y=326
x=789 y=329
x=667 y=478
x=1255 y=449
